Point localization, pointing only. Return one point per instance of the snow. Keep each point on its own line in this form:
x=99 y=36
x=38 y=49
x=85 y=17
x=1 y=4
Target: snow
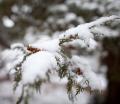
x=107 y=31
x=15 y=9
x=6 y=93
x=15 y=56
x=102 y=20
x=78 y=43
x=56 y=94
x=102 y=7
x=48 y=45
x=86 y=38
x=70 y=17
x=37 y=65
x=32 y=35
x=95 y=82
x=76 y=2
x=84 y=31
x=58 y=8
x=90 y=6
x=7 y=22
x=92 y=44
x=60 y=17
x=50 y=94
x=26 y=9
x=17 y=45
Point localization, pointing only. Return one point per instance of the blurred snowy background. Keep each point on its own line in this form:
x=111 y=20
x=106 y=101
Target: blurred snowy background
x=27 y=21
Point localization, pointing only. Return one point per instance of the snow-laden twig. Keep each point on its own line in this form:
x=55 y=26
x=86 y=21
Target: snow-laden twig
x=37 y=62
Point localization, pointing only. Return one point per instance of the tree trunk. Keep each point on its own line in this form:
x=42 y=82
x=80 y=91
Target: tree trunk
x=112 y=60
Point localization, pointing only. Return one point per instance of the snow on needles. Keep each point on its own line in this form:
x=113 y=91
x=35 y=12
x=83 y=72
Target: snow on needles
x=12 y=58
x=95 y=82
x=48 y=45
x=85 y=36
x=38 y=64
x=84 y=31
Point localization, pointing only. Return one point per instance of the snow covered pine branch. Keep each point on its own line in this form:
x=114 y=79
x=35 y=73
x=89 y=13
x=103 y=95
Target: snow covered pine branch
x=57 y=60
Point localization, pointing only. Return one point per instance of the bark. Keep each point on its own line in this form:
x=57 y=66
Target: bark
x=112 y=60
